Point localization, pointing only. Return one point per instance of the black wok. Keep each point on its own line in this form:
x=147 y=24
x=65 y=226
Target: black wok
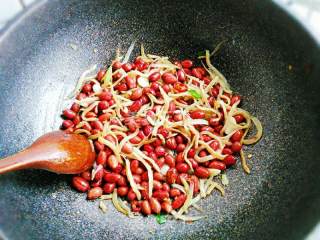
x=280 y=199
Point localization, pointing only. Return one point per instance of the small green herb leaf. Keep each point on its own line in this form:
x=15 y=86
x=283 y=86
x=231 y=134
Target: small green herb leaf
x=195 y=94
x=201 y=53
x=161 y=218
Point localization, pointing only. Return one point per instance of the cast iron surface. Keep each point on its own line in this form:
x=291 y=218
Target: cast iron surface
x=279 y=200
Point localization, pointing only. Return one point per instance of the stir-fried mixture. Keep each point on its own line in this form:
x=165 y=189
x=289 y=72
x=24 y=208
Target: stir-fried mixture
x=165 y=133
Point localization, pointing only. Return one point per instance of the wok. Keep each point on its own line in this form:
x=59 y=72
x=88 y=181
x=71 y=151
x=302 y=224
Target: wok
x=268 y=58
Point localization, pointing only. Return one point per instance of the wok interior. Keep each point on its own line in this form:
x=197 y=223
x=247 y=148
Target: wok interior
x=279 y=199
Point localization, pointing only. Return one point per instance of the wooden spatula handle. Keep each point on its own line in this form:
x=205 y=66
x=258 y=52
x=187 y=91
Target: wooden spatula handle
x=18 y=161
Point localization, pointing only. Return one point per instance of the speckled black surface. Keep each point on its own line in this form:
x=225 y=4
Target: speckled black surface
x=279 y=200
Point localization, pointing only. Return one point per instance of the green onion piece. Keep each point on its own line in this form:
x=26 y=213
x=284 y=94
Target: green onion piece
x=224 y=179
x=195 y=94
x=161 y=218
x=107 y=78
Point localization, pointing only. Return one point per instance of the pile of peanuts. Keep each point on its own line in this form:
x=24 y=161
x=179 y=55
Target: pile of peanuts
x=110 y=175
